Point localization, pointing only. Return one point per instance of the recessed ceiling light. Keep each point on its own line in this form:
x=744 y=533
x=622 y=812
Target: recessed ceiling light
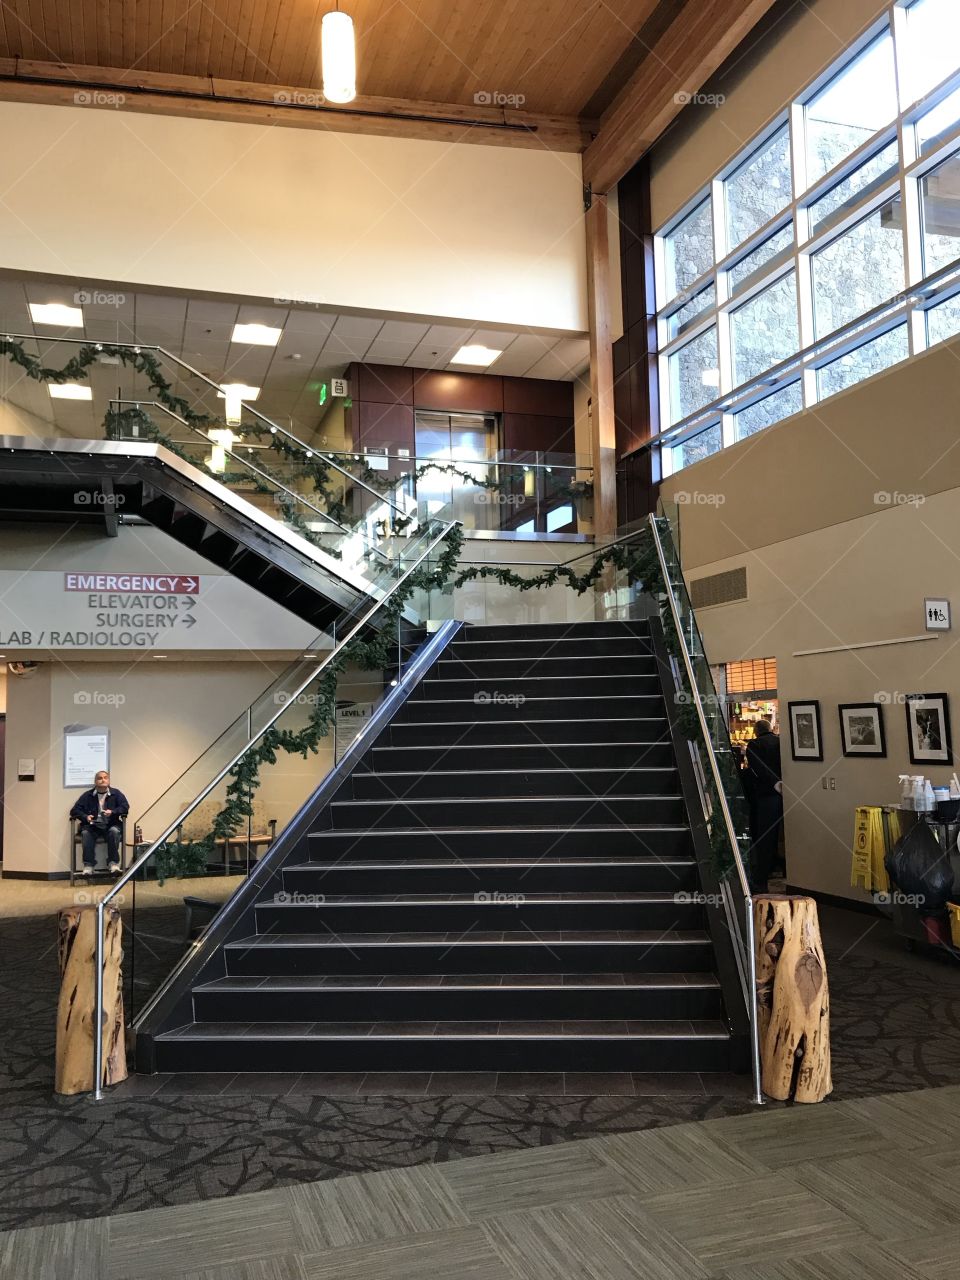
x=476 y=354
x=56 y=313
x=256 y=335
x=70 y=391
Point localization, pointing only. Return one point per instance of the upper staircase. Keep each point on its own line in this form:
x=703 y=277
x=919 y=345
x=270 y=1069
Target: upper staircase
x=508 y=880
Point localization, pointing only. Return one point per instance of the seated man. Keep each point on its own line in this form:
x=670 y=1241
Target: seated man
x=101 y=813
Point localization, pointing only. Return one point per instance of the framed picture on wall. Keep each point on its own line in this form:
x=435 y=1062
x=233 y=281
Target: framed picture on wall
x=861 y=729
x=806 y=740
x=928 y=728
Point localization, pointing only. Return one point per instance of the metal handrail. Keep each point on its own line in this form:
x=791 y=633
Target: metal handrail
x=725 y=812
x=243 y=462
x=361 y=455
x=274 y=427
x=198 y=800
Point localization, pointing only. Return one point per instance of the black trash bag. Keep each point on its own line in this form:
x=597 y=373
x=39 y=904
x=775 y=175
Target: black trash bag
x=920 y=866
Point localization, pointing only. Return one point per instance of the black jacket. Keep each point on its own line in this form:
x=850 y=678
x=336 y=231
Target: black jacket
x=763 y=762
x=88 y=805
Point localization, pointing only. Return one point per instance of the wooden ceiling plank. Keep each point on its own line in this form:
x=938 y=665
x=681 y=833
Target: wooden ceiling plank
x=306 y=64
x=256 y=65
x=275 y=43
x=255 y=105
x=702 y=36
x=32 y=83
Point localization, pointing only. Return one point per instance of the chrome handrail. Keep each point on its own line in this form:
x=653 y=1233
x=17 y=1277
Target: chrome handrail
x=243 y=462
x=131 y=871
x=725 y=812
x=274 y=427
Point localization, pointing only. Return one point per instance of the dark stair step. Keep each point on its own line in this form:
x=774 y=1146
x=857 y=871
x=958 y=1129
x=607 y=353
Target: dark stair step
x=522 y=756
x=485 y=909
x=529 y=730
x=500 y=951
x=454 y=875
x=520 y=706
x=576 y=647
x=463 y=663
x=594 y=1045
x=361 y=816
x=442 y=997
x=481 y=689
x=442 y=782
x=543 y=631
x=592 y=840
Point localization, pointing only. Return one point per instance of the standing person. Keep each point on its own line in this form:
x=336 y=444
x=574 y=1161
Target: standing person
x=763 y=767
x=101 y=813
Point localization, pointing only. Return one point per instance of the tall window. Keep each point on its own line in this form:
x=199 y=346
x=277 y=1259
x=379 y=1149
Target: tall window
x=774 y=297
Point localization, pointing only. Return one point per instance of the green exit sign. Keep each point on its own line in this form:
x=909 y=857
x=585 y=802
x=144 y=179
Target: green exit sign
x=323 y=393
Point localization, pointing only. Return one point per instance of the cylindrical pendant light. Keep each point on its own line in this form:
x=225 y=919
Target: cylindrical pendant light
x=339 y=57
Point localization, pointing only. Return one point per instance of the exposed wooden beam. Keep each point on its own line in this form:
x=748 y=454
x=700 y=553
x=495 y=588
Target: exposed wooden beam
x=603 y=432
x=700 y=38
x=238 y=101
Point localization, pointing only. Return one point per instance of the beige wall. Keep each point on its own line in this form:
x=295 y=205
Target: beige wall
x=460 y=231
x=15 y=421
x=168 y=717
x=873 y=445
x=845 y=517
x=799 y=46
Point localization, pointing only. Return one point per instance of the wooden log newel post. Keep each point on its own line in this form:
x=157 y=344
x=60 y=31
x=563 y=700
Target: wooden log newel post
x=793 y=1001
x=75 y=1010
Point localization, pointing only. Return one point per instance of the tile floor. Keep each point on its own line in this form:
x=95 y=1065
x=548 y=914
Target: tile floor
x=857 y=1190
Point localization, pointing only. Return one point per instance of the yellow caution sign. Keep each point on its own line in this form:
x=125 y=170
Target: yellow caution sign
x=870 y=846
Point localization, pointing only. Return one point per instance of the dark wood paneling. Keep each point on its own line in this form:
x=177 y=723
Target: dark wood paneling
x=382 y=383
x=537 y=432
x=457 y=392
x=380 y=424
x=538 y=395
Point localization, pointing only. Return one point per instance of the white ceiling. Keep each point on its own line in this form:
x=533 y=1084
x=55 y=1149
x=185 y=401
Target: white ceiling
x=314 y=346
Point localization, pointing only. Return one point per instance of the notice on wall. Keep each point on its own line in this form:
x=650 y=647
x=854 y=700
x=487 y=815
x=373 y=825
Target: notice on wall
x=147 y=611
x=351 y=717
x=86 y=750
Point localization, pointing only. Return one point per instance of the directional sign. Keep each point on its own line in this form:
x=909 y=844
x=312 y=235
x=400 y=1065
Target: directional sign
x=106 y=611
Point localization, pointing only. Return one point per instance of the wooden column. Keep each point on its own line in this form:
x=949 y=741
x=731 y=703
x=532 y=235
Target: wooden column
x=793 y=999
x=602 y=419
x=76 y=1007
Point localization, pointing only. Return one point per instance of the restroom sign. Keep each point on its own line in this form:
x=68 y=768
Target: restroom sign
x=937 y=615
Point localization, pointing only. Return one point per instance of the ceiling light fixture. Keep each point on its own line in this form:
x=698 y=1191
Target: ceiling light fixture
x=256 y=335
x=477 y=354
x=235 y=393
x=56 y=313
x=70 y=391
x=338 y=53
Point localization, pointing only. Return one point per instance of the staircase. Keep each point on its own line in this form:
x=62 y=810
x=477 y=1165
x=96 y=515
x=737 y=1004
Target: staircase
x=497 y=889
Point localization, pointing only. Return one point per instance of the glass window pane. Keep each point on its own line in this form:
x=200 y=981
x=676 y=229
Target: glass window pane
x=940 y=191
x=694 y=375
x=933 y=38
x=764 y=330
x=944 y=321
x=766 y=256
x=859 y=270
x=759 y=189
x=851 y=108
x=689 y=312
x=697 y=447
x=943 y=119
x=832 y=207
x=766 y=412
x=871 y=358
x=688 y=250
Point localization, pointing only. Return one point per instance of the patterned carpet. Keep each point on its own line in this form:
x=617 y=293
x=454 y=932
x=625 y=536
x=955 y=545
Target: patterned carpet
x=895 y=1025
